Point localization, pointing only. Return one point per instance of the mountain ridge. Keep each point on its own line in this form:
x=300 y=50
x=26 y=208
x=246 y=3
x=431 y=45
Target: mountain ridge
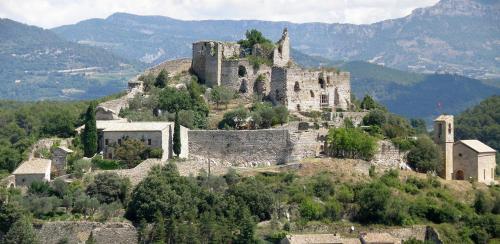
x=443 y=38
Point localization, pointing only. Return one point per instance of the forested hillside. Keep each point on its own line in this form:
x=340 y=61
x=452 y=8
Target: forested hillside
x=36 y=64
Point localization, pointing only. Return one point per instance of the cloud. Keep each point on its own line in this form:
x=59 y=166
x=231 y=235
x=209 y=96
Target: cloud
x=52 y=13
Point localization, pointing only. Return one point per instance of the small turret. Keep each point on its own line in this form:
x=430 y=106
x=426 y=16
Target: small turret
x=281 y=55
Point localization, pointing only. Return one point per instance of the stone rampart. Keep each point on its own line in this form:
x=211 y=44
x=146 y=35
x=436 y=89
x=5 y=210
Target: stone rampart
x=80 y=231
x=240 y=147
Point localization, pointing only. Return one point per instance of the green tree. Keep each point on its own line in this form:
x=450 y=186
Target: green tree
x=483 y=203
x=162 y=79
x=221 y=95
x=351 y=143
x=21 y=232
x=425 y=156
x=281 y=114
x=89 y=135
x=419 y=126
x=177 y=136
x=131 y=151
x=9 y=158
x=109 y=187
x=373 y=201
x=253 y=37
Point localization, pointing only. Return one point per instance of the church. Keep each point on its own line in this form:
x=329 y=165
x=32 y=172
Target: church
x=464 y=159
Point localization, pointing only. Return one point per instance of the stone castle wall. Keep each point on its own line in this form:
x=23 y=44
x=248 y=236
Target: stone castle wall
x=301 y=89
x=240 y=148
x=208 y=59
x=80 y=231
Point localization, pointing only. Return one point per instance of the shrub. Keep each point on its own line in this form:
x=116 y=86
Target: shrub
x=106 y=164
x=333 y=210
x=425 y=156
x=373 y=201
x=109 y=187
x=350 y=143
x=311 y=210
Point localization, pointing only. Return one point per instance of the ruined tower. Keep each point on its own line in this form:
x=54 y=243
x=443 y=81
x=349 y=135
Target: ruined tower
x=281 y=54
x=443 y=137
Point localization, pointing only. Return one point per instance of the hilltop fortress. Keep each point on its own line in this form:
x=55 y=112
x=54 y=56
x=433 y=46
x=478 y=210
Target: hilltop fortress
x=227 y=64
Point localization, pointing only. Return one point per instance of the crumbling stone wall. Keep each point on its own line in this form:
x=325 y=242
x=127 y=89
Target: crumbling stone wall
x=336 y=119
x=208 y=57
x=301 y=89
x=281 y=54
x=80 y=231
x=388 y=155
x=240 y=147
x=173 y=67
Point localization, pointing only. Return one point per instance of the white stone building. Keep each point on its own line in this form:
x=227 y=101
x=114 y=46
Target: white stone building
x=36 y=169
x=153 y=134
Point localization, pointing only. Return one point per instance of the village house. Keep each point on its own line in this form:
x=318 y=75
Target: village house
x=36 y=169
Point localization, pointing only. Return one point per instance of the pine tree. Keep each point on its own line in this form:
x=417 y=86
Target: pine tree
x=177 y=135
x=161 y=79
x=89 y=136
x=158 y=234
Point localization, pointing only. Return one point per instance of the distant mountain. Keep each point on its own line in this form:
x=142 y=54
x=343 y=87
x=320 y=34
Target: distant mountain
x=37 y=64
x=417 y=95
x=453 y=36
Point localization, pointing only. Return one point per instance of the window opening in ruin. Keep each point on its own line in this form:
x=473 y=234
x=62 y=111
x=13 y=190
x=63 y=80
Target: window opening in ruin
x=323 y=100
x=312 y=93
x=106 y=142
x=298 y=107
x=321 y=81
x=242 y=71
x=296 y=88
x=149 y=142
x=244 y=86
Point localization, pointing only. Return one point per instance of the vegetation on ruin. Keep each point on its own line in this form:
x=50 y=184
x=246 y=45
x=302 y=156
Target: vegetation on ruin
x=221 y=95
x=351 y=143
x=261 y=115
x=177 y=136
x=162 y=104
x=253 y=37
x=266 y=48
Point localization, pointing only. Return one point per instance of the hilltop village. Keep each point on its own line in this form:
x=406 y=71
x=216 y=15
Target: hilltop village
x=266 y=114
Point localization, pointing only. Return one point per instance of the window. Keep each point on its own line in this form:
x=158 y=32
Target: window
x=323 y=100
x=449 y=128
x=460 y=155
x=119 y=141
x=312 y=93
x=149 y=142
x=106 y=142
x=440 y=130
x=298 y=107
x=321 y=82
x=484 y=174
x=296 y=87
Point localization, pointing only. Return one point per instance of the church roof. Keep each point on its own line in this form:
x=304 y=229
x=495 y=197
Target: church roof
x=33 y=166
x=477 y=146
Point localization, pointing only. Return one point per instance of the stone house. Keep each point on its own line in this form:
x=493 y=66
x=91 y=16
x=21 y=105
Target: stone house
x=153 y=134
x=59 y=155
x=473 y=159
x=36 y=169
x=465 y=159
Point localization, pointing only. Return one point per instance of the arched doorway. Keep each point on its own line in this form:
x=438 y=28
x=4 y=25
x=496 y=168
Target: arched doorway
x=459 y=175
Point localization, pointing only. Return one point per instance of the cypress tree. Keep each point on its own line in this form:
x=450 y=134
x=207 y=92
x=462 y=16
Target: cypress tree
x=161 y=79
x=177 y=135
x=89 y=136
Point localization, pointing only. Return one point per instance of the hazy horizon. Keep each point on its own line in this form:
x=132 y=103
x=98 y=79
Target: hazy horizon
x=34 y=12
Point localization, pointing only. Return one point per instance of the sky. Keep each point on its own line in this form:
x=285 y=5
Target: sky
x=53 y=13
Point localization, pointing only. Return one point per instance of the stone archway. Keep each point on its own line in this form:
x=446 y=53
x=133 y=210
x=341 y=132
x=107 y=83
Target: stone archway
x=459 y=175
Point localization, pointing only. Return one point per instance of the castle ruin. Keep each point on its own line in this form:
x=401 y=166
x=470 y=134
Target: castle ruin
x=226 y=64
